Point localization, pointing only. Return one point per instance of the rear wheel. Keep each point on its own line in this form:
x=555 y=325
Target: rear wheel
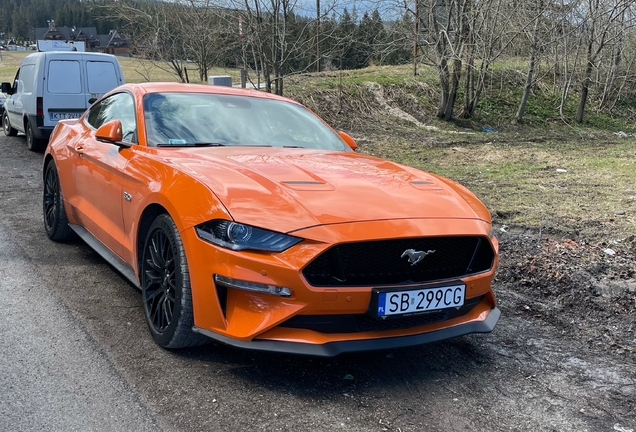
x=55 y=221
x=8 y=130
x=33 y=143
x=165 y=287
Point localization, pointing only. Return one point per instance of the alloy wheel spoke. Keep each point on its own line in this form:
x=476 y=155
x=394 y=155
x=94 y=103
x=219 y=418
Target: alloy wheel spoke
x=160 y=292
x=155 y=254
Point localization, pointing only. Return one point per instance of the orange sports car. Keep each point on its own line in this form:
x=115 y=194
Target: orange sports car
x=245 y=218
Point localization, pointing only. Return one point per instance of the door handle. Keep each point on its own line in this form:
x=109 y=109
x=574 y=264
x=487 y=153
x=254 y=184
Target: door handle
x=80 y=150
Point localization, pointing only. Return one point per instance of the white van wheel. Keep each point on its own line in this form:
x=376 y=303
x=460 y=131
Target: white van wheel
x=8 y=130
x=33 y=143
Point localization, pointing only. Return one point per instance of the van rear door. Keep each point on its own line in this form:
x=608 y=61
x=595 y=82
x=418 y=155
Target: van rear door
x=64 y=95
x=101 y=77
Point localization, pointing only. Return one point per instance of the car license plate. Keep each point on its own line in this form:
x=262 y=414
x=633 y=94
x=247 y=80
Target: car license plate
x=420 y=300
x=64 y=115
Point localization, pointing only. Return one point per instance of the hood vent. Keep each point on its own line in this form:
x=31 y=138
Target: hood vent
x=308 y=185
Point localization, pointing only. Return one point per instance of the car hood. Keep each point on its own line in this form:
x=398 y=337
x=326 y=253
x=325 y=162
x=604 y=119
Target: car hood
x=291 y=189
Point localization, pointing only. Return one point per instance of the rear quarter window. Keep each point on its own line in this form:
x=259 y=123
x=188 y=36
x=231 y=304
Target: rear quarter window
x=102 y=76
x=64 y=77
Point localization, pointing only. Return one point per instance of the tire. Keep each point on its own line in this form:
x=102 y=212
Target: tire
x=34 y=144
x=8 y=130
x=55 y=220
x=165 y=287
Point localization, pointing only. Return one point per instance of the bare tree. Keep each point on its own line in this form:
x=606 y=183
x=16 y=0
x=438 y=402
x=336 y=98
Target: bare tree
x=491 y=35
x=155 y=30
x=444 y=31
x=599 y=30
x=278 y=40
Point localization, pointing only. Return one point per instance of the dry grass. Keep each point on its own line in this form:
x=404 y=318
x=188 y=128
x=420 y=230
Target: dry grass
x=594 y=200
x=135 y=70
x=9 y=63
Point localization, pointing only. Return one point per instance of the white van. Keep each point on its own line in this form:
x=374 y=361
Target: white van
x=51 y=86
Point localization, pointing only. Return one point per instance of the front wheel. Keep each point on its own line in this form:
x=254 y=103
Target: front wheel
x=55 y=221
x=165 y=287
x=8 y=130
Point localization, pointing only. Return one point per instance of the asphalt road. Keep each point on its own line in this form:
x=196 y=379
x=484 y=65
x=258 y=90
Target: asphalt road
x=75 y=354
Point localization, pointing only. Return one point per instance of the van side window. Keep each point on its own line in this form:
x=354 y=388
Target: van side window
x=119 y=106
x=16 y=82
x=27 y=77
x=64 y=77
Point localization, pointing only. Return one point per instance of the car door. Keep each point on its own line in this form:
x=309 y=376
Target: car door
x=99 y=168
x=14 y=104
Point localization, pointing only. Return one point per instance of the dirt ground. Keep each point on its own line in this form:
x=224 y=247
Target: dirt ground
x=561 y=358
x=589 y=291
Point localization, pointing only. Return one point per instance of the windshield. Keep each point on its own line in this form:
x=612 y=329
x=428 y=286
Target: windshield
x=188 y=119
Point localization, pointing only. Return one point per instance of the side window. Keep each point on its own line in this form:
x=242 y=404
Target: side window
x=16 y=82
x=27 y=77
x=119 y=106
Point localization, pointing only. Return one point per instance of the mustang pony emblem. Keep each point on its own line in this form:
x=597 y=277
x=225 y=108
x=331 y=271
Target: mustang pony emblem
x=415 y=256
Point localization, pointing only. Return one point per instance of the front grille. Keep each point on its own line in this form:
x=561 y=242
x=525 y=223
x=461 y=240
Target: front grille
x=380 y=262
x=331 y=324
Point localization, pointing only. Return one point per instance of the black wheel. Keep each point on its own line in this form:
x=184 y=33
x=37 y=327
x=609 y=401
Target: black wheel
x=55 y=221
x=165 y=287
x=33 y=143
x=8 y=130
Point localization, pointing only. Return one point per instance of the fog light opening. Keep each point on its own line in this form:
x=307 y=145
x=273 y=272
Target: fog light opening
x=252 y=286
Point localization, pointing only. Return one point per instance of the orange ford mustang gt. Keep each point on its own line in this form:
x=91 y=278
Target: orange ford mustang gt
x=244 y=218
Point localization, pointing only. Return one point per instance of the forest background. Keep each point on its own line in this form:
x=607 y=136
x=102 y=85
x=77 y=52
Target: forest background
x=569 y=55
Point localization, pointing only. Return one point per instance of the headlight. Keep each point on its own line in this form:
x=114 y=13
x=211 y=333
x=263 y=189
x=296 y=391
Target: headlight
x=238 y=236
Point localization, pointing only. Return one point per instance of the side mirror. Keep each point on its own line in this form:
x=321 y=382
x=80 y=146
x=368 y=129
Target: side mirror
x=6 y=88
x=348 y=139
x=110 y=132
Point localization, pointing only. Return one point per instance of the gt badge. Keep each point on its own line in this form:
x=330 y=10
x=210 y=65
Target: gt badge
x=415 y=256
x=127 y=196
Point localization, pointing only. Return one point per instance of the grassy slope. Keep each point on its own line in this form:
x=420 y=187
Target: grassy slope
x=514 y=171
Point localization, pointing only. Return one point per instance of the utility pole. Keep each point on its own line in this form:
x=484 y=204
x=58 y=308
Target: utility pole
x=317 y=35
x=416 y=31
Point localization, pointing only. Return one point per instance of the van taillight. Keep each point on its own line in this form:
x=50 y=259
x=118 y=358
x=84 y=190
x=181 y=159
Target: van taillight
x=39 y=107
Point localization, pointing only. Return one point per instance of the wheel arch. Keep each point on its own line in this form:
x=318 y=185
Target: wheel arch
x=48 y=158
x=148 y=215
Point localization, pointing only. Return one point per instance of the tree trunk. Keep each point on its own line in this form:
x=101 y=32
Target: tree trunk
x=531 y=64
x=585 y=84
x=444 y=79
x=450 y=104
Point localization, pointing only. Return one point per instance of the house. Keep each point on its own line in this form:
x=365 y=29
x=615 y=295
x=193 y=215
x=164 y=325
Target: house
x=113 y=43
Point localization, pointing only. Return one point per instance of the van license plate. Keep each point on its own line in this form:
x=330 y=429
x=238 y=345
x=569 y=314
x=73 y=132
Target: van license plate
x=64 y=115
x=421 y=300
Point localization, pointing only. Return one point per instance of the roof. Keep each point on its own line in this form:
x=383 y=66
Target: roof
x=68 y=33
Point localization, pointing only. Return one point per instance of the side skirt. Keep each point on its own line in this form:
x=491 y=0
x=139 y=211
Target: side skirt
x=107 y=254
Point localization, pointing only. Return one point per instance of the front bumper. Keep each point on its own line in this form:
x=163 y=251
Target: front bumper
x=331 y=349
x=263 y=322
